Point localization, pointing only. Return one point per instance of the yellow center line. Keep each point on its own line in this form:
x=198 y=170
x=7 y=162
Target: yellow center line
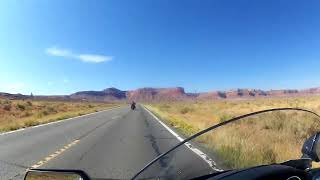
x=55 y=154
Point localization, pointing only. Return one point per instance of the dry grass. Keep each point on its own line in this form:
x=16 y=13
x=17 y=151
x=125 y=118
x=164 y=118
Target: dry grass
x=274 y=137
x=15 y=114
x=51 y=176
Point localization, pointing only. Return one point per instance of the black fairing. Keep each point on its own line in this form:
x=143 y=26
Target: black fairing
x=309 y=148
x=263 y=172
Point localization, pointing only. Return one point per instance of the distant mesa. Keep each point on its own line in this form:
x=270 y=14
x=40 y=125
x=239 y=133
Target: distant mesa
x=149 y=94
x=178 y=93
x=109 y=94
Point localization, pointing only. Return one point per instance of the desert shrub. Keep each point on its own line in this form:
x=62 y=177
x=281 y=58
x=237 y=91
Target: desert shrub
x=230 y=155
x=43 y=113
x=31 y=123
x=164 y=107
x=185 y=110
x=13 y=127
x=7 y=107
x=21 y=107
x=29 y=103
x=274 y=124
x=262 y=139
x=224 y=118
x=238 y=156
x=51 y=110
x=64 y=117
x=274 y=121
x=90 y=106
x=7 y=102
x=269 y=156
x=26 y=114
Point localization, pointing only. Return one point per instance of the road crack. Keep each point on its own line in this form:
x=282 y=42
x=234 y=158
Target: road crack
x=14 y=164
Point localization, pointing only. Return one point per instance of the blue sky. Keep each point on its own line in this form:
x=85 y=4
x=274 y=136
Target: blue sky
x=59 y=47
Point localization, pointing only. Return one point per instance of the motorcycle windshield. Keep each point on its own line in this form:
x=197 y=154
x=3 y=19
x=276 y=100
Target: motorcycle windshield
x=258 y=139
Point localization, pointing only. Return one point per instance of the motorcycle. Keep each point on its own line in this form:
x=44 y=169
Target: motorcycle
x=280 y=143
x=133 y=106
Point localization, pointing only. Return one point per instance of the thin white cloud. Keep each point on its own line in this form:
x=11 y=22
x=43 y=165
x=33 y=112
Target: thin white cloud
x=94 y=58
x=65 y=80
x=54 y=51
x=90 y=58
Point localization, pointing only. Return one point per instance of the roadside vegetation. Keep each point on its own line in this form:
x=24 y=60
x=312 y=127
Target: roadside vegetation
x=274 y=137
x=16 y=114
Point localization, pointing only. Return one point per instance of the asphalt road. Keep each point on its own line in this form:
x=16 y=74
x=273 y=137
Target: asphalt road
x=113 y=144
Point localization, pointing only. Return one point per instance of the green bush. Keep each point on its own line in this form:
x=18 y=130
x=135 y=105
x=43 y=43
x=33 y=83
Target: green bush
x=21 y=107
x=64 y=117
x=185 y=110
x=90 y=106
x=43 y=113
x=31 y=123
x=224 y=118
x=13 y=127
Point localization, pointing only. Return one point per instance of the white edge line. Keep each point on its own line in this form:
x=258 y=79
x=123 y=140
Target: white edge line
x=197 y=151
x=54 y=122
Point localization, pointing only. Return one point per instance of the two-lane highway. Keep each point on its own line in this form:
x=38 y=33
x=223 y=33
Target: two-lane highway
x=113 y=144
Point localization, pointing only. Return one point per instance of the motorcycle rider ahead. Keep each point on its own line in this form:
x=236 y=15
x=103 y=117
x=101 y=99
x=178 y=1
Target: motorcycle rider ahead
x=133 y=105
